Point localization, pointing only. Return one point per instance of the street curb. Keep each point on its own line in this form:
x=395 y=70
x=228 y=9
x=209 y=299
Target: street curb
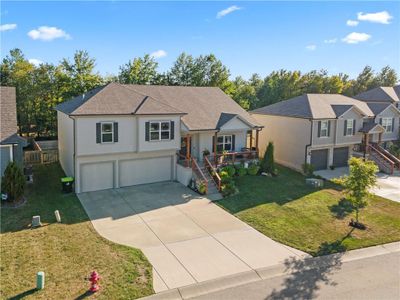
x=218 y=284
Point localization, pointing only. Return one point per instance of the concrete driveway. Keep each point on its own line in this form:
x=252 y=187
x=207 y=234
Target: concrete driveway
x=388 y=186
x=187 y=238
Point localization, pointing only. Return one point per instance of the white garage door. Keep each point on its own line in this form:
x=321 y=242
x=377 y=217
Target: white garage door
x=141 y=171
x=97 y=176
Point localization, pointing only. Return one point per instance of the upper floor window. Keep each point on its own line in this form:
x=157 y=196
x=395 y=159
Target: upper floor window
x=224 y=143
x=349 y=127
x=107 y=132
x=387 y=123
x=160 y=130
x=324 y=128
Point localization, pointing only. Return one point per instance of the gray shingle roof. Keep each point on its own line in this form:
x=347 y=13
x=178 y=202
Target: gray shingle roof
x=380 y=94
x=377 y=107
x=201 y=107
x=8 y=117
x=367 y=127
x=314 y=106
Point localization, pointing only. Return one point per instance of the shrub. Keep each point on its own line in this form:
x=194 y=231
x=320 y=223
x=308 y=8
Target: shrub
x=201 y=187
x=228 y=189
x=230 y=170
x=253 y=170
x=241 y=171
x=308 y=169
x=268 y=163
x=13 y=181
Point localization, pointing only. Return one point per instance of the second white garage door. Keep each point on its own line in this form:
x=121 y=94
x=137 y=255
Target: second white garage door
x=141 y=171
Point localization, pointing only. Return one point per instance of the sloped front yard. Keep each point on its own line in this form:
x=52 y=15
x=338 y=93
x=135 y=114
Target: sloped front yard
x=312 y=220
x=66 y=252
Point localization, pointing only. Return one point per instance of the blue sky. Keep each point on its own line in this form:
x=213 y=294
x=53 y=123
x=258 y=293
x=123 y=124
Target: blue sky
x=249 y=37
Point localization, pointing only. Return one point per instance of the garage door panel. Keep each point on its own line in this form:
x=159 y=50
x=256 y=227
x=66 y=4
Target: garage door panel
x=340 y=156
x=319 y=159
x=97 y=176
x=142 y=171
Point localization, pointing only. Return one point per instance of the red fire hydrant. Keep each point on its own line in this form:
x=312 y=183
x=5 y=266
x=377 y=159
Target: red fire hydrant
x=94 y=278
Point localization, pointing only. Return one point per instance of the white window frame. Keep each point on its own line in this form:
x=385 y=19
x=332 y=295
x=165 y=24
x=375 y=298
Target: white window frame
x=387 y=123
x=159 y=131
x=349 y=126
x=106 y=132
x=224 y=142
x=326 y=129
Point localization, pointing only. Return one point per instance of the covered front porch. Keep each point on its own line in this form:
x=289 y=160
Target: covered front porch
x=220 y=148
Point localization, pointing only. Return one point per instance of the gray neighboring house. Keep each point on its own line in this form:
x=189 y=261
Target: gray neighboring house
x=11 y=144
x=382 y=94
x=123 y=135
x=325 y=129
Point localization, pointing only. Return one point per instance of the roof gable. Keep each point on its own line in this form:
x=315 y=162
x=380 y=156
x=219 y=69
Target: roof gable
x=379 y=94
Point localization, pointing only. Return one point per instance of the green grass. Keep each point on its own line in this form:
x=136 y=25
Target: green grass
x=66 y=252
x=312 y=220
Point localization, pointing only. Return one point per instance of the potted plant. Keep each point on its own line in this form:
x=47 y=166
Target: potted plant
x=201 y=187
x=206 y=152
x=332 y=167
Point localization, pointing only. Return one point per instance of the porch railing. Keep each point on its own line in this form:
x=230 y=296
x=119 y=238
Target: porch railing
x=213 y=173
x=199 y=173
x=183 y=160
x=233 y=157
x=389 y=155
x=382 y=161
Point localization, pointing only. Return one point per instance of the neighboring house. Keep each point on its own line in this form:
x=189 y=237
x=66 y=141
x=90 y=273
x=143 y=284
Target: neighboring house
x=324 y=129
x=383 y=94
x=11 y=144
x=124 y=135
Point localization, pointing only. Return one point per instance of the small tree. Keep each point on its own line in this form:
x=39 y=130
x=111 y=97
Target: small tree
x=268 y=163
x=13 y=181
x=361 y=178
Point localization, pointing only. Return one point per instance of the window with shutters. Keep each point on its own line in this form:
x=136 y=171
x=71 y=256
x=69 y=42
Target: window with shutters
x=387 y=124
x=160 y=130
x=324 y=131
x=224 y=143
x=349 y=127
x=107 y=132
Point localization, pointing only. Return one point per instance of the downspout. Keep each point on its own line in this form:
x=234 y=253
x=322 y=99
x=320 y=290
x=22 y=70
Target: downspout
x=308 y=145
x=74 y=137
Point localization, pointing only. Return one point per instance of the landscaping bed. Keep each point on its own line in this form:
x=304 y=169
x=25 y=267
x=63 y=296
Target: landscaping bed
x=314 y=220
x=66 y=252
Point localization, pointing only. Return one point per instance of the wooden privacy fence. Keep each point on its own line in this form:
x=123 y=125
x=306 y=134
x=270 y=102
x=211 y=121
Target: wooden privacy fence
x=40 y=157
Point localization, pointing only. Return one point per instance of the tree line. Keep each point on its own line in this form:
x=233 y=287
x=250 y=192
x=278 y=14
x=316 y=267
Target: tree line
x=40 y=88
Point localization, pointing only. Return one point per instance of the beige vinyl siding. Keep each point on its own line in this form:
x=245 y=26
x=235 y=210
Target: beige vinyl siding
x=390 y=113
x=349 y=139
x=65 y=127
x=323 y=141
x=289 y=135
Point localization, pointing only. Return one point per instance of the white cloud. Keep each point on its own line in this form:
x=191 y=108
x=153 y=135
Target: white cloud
x=356 y=37
x=311 y=47
x=227 y=11
x=330 y=41
x=158 y=54
x=382 y=17
x=46 y=33
x=6 y=27
x=352 y=23
x=35 y=61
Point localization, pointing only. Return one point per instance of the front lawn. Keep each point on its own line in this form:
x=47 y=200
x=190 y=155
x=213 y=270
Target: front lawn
x=313 y=220
x=66 y=252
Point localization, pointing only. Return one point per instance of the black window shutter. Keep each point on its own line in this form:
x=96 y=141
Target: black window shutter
x=115 y=132
x=345 y=128
x=319 y=128
x=392 y=125
x=354 y=127
x=147 y=131
x=213 y=144
x=380 y=121
x=172 y=129
x=329 y=128
x=98 y=133
x=233 y=142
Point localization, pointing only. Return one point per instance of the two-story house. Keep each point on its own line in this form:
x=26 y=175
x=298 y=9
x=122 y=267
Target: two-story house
x=123 y=135
x=324 y=129
x=382 y=94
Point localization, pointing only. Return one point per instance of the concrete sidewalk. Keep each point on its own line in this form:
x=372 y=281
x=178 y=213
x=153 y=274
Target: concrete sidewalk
x=187 y=238
x=322 y=266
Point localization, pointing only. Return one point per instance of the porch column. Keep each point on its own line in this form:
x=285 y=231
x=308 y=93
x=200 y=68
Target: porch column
x=251 y=139
x=215 y=148
x=366 y=142
x=257 y=131
x=188 y=147
x=379 y=138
